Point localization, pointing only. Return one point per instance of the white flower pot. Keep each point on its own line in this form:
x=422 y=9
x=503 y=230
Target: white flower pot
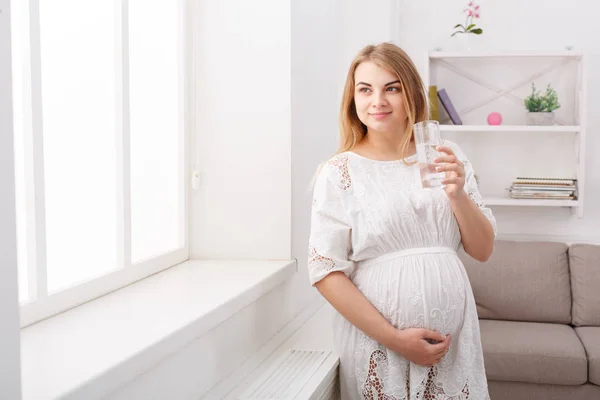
x=464 y=41
x=540 y=118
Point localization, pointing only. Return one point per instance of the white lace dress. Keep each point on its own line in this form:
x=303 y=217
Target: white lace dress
x=397 y=242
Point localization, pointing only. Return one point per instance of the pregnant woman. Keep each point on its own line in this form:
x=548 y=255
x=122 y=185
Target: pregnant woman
x=383 y=249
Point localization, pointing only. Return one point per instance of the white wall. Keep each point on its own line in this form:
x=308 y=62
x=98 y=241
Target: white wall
x=10 y=370
x=517 y=25
x=253 y=59
x=242 y=209
x=364 y=23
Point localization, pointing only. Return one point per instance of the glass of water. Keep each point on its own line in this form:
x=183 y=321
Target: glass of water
x=427 y=138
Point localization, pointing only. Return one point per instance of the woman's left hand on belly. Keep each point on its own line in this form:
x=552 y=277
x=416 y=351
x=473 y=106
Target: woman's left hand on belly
x=419 y=346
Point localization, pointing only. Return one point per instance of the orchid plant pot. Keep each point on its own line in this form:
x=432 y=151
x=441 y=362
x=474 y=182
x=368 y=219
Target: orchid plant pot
x=465 y=42
x=464 y=34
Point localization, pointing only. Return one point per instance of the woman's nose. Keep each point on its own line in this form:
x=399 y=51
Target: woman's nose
x=379 y=99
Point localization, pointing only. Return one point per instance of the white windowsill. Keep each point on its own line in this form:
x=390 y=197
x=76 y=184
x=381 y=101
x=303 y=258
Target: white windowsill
x=91 y=350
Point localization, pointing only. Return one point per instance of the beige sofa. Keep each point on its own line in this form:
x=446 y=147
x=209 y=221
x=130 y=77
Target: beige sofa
x=539 y=311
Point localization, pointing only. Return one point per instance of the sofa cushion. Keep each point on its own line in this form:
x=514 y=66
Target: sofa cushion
x=522 y=281
x=590 y=337
x=584 y=262
x=533 y=352
x=534 y=391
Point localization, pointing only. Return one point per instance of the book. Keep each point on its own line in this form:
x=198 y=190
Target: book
x=542 y=192
x=433 y=104
x=543 y=188
x=541 y=196
x=543 y=181
x=449 y=107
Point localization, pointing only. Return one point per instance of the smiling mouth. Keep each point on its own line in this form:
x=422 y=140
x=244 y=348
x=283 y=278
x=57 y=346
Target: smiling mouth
x=381 y=114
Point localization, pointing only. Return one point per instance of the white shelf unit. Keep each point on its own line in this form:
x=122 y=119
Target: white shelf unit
x=481 y=82
x=504 y=54
x=510 y=128
x=507 y=201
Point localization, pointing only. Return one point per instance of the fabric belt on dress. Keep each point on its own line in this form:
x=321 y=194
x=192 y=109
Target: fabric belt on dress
x=407 y=252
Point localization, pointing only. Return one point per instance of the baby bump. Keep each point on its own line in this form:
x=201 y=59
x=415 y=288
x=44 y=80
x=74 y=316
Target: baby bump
x=417 y=291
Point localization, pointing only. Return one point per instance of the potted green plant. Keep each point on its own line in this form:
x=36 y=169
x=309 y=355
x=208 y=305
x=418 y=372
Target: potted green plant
x=541 y=107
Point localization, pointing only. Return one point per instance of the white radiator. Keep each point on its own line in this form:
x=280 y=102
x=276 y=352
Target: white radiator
x=333 y=390
x=286 y=377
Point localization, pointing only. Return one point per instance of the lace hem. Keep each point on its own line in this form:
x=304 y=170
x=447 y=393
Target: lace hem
x=315 y=258
x=373 y=388
x=434 y=392
x=428 y=389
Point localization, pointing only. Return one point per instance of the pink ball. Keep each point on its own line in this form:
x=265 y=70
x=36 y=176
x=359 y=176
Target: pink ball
x=494 y=118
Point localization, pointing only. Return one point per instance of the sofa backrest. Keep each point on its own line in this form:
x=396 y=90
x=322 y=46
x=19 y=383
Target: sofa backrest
x=522 y=281
x=584 y=260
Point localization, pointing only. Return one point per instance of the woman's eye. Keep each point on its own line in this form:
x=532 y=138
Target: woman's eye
x=364 y=89
x=393 y=89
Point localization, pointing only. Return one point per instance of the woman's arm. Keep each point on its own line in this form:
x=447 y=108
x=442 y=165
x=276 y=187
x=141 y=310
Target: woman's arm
x=329 y=266
x=476 y=229
x=345 y=297
x=421 y=346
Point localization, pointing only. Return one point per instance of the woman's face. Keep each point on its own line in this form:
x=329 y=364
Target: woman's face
x=378 y=99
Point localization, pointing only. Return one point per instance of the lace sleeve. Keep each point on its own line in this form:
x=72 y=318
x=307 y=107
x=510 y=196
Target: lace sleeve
x=471 y=186
x=330 y=234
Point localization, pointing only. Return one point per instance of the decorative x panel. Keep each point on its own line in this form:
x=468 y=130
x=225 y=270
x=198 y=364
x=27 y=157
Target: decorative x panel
x=499 y=92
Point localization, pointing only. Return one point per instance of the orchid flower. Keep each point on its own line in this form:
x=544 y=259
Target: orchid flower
x=472 y=11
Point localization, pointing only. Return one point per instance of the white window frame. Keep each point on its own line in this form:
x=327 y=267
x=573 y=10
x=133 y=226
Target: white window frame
x=45 y=305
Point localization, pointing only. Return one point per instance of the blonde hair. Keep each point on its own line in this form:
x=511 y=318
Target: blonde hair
x=395 y=60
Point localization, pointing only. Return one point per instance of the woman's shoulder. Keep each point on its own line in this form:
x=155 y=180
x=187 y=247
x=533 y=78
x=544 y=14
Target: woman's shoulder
x=338 y=160
x=335 y=170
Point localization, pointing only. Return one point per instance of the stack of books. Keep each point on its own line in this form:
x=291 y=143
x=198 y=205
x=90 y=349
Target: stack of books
x=543 y=188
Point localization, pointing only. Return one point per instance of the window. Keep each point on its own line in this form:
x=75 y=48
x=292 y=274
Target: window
x=100 y=122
